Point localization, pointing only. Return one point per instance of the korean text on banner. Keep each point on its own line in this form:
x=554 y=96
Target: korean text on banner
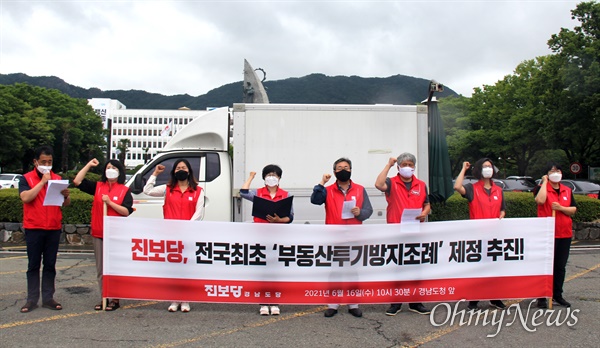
x=200 y=261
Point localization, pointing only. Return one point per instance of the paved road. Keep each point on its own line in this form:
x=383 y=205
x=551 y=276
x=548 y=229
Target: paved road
x=148 y=324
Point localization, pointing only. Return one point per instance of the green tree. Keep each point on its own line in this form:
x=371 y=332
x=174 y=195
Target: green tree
x=574 y=87
x=23 y=128
x=33 y=116
x=455 y=115
x=122 y=148
x=507 y=119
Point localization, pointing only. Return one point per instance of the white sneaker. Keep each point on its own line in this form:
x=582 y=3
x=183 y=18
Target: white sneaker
x=264 y=310
x=173 y=307
x=185 y=307
x=274 y=310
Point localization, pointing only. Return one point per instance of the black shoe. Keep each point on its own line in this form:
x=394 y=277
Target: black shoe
x=561 y=301
x=418 y=308
x=330 y=312
x=542 y=303
x=473 y=305
x=355 y=312
x=394 y=309
x=498 y=304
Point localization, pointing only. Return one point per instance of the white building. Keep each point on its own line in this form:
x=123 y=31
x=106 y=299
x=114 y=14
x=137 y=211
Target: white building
x=147 y=130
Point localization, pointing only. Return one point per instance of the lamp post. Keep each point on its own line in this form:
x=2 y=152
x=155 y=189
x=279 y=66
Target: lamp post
x=503 y=165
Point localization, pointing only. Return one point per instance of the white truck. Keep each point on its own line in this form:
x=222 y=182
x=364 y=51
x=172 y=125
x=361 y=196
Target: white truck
x=303 y=139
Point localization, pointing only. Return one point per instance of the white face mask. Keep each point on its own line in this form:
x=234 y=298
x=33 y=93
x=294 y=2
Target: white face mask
x=487 y=172
x=112 y=173
x=555 y=177
x=406 y=172
x=271 y=181
x=44 y=169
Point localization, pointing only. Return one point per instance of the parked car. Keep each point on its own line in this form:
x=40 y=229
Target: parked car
x=516 y=185
x=582 y=187
x=472 y=180
x=466 y=180
x=8 y=180
x=528 y=178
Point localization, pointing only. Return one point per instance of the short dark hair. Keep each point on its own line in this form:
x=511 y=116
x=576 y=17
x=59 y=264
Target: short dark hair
x=479 y=165
x=550 y=165
x=342 y=159
x=43 y=150
x=271 y=168
x=120 y=167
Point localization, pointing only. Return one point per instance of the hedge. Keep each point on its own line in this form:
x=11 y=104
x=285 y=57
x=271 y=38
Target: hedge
x=78 y=212
x=518 y=204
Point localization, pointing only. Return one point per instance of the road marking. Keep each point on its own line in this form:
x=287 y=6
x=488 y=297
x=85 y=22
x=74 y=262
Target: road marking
x=582 y=273
x=67 y=316
x=58 y=287
x=57 y=268
x=442 y=332
x=272 y=320
x=13 y=257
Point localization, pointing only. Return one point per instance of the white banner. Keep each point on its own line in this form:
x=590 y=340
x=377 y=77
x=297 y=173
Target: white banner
x=178 y=260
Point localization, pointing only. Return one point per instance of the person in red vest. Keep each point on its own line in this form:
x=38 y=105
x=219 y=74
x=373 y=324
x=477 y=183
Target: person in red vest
x=486 y=200
x=184 y=200
x=335 y=197
x=556 y=199
x=271 y=174
x=404 y=191
x=110 y=190
x=42 y=225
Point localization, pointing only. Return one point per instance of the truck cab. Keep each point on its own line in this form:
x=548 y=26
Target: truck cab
x=204 y=143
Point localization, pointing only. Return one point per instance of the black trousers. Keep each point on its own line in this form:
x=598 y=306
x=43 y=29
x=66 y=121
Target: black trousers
x=562 y=246
x=42 y=246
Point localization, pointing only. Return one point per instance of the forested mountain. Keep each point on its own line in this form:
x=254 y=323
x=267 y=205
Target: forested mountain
x=314 y=88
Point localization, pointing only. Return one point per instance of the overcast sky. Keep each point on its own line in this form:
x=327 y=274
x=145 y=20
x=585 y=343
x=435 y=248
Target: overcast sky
x=176 y=47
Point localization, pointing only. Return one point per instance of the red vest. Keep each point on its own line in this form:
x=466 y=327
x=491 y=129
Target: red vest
x=263 y=192
x=117 y=193
x=400 y=198
x=335 y=200
x=563 y=224
x=35 y=214
x=180 y=206
x=483 y=206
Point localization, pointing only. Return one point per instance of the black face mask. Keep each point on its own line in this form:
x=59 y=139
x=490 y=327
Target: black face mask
x=181 y=175
x=343 y=175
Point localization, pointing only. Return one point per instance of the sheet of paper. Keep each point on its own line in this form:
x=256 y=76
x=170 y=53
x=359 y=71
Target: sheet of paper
x=347 y=209
x=53 y=195
x=409 y=216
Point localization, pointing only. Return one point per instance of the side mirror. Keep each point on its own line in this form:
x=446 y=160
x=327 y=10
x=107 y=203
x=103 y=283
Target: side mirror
x=137 y=186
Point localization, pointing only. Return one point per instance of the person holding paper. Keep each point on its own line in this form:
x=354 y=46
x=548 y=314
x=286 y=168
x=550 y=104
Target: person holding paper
x=486 y=201
x=110 y=190
x=271 y=174
x=184 y=200
x=42 y=225
x=338 y=197
x=555 y=199
x=404 y=192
